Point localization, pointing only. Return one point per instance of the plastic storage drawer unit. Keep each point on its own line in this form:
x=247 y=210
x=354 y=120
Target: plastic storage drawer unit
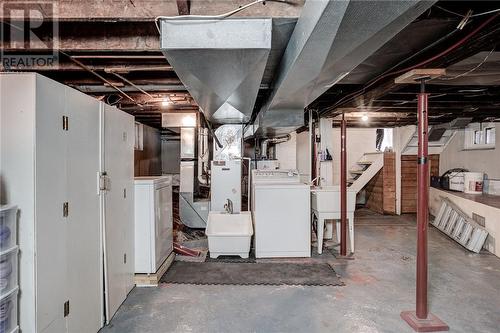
x=8 y=227
x=8 y=270
x=8 y=312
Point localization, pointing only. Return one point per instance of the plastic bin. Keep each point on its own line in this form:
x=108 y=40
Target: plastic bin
x=8 y=270
x=8 y=227
x=8 y=312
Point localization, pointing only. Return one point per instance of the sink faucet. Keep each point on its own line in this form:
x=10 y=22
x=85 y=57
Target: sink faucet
x=229 y=206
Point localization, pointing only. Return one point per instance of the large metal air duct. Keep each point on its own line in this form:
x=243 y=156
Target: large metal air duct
x=221 y=62
x=330 y=39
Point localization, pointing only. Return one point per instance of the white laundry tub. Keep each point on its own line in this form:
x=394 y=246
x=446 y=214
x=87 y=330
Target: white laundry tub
x=229 y=234
x=327 y=199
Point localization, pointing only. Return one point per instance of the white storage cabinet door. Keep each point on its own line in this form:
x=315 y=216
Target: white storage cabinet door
x=51 y=227
x=119 y=205
x=84 y=256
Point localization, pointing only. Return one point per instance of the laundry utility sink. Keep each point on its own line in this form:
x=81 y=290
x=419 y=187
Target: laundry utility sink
x=325 y=205
x=229 y=234
x=327 y=199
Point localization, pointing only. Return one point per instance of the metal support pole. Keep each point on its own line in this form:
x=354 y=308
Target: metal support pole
x=311 y=142
x=421 y=320
x=422 y=203
x=343 y=188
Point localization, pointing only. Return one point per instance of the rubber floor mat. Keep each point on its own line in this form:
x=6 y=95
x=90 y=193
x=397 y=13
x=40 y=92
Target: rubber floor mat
x=232 y=259
x=206 y=273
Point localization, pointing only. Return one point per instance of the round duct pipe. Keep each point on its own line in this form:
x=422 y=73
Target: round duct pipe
x=265 y=143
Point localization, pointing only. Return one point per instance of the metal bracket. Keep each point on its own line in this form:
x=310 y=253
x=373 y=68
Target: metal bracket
x=65 y=209
x=66 y=308
x=65 y=123
x=103 y=182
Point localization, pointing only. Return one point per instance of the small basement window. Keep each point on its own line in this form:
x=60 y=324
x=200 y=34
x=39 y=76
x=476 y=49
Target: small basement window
x=489 y=135
x=480 y=136
x=387 y=141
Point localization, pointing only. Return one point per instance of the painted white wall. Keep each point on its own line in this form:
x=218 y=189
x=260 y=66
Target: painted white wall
x=454 y=156
x=302 y=155
x=286 y=153
x=359 y=142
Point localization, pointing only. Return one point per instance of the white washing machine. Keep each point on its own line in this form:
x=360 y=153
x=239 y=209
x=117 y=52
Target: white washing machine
x=272 y=176
x=281 y=214
x=275 y=176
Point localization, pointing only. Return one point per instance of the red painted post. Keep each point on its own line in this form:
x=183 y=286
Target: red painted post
x=422 y=320
x=343 y=188
x=422 y=204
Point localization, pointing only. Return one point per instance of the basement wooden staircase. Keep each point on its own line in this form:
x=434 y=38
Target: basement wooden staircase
x=366 y=168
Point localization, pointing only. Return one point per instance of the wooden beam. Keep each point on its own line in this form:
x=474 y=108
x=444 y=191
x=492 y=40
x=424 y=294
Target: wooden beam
x=145 y=10
x=183 y=7
x=93 y=37
x=416 y=75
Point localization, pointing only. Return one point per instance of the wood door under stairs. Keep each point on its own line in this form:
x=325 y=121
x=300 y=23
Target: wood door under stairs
x=409 y=180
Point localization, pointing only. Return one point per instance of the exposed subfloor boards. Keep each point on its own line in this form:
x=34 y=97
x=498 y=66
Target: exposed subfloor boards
x=380 y=283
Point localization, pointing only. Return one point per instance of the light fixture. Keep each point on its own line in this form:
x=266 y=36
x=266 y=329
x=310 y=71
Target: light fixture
x=364 y=117
x=189 y=120
x=165 y=102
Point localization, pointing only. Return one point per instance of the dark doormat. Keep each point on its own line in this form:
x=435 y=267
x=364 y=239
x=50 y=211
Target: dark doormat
x=206 y=273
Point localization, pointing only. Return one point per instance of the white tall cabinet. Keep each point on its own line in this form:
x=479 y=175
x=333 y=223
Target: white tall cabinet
x=117 y=163
x=52 y=152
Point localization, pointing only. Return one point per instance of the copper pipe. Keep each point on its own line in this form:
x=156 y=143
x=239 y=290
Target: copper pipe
x=102 y=78
x=121 y=77
x=422 y=204
x=343 y=187
x=185 y=251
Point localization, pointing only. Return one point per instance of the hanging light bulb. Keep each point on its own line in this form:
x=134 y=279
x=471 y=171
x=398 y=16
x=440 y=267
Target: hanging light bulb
x=165 y=102
x=364 y=117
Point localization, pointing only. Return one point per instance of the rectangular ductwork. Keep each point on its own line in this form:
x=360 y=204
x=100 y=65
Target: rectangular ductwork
x=330 y=39
x=221 y=62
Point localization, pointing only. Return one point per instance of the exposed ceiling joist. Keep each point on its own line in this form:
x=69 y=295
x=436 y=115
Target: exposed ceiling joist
x=183 y=7
x=144 y=10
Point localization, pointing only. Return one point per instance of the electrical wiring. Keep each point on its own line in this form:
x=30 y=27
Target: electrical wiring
x=422 y=63
x=486 y=13
x=449 y=11
x=473 y=15
x=213 y=17
x=470 y=70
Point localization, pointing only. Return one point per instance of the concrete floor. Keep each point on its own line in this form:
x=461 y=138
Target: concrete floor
x=464 y=291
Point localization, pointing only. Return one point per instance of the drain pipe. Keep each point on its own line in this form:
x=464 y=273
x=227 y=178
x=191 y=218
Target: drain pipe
x=264 y=144
x=121 y=77
x=202 y=155
x=210 y=129
x=102 y=78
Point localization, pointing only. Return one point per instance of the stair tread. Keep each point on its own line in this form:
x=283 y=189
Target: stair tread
x=364 y=162
x=358 y=172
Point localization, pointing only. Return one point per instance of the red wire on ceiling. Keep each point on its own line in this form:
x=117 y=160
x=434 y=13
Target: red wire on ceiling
x=437 y=56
